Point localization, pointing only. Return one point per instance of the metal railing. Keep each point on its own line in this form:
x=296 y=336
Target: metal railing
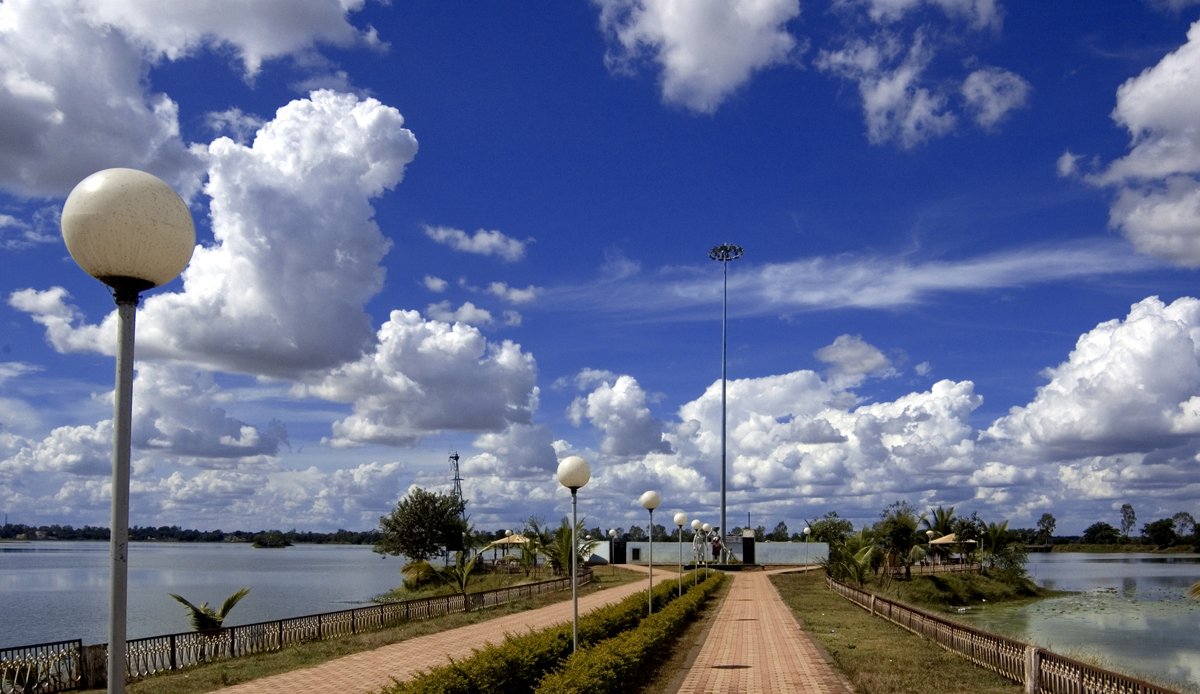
x=1039 y=670
x=64 y=666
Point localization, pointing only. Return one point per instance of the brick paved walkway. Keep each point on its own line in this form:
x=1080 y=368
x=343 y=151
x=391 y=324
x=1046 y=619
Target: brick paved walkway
x=753 y=645
x=370 y=671
x=756 y=645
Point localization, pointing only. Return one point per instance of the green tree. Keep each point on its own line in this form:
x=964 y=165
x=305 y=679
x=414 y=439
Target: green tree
x=854 y=557
x=780 y=533
x=1100 y=533
x=1045 y=526
x=1161 y=533
x=271 y=539
x=830 y=529
x=1128 y=519
x=204 y=618
x=420 y=525
x=896 y=534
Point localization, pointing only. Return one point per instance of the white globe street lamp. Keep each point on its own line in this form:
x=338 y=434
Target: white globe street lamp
x=612 y=545
x=129 y=230
x=680 y=521
x=573 y=473
x=650 y=501
x=697 y=546
x=807 y=530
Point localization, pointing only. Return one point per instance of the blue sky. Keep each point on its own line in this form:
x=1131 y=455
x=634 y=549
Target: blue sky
x=971 y=230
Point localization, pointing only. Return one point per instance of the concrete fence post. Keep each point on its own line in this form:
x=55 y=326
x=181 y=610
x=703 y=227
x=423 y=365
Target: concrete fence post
x=1032 y=665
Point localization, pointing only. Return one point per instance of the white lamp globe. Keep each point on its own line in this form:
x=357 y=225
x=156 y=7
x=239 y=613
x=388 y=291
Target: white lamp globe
x=807 y=530
x=681 y=519
x=508 y=533
x=696 y=524
x=707 y=527
x=128 y=229
x=612 y=533
x=650 y=500
x=573 y=472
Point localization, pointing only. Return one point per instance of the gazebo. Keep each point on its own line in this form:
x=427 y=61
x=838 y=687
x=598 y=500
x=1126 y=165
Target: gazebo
x=512 y=541
x=951 y=542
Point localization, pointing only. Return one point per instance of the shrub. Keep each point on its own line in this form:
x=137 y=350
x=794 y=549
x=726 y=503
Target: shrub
x=522 y=660
x=611 y=665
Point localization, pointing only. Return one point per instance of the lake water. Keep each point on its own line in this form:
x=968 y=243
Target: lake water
x=56 y=591
x=1129 y=612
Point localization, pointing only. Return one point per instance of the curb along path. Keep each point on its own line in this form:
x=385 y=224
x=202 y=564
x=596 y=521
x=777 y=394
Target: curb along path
x=373 y=670
x=755 y=644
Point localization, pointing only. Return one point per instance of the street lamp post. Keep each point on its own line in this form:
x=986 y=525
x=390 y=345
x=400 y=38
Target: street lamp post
x=724 y=253
x=650 y=501
x=807 y=530
x=129 y=230
x=573 y=473
x=680 y=521
x=929 y=546
x=697 y=546
x=612 y=548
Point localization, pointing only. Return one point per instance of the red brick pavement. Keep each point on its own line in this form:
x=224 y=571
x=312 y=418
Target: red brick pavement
x=756 y=645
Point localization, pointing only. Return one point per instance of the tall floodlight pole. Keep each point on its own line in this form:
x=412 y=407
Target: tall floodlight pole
x=129 y=230
x=724 y=253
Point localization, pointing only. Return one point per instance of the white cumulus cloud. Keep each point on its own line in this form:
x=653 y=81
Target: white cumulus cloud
x=705 y=49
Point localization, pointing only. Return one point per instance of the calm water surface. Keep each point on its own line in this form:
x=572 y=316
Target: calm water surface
x=1130 y=612
x=59 y=590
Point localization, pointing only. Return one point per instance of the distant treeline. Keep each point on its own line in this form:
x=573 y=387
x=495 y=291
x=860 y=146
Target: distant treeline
x=174 y=533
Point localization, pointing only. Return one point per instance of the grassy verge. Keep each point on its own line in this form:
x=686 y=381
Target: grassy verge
x=876 y=656
x=207 y=678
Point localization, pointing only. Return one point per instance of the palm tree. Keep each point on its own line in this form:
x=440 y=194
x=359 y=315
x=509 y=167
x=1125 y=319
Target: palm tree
x=204 y=618
x=459 y=575
x=994 y=540
x=558 y=551
x=940 y=520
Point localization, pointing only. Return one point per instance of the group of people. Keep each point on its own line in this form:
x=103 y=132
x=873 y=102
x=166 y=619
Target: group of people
x=700 y=542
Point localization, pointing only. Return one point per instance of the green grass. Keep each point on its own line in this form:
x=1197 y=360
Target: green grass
x=1100 y=549
x=213 y=676
x=942 y=591
x=878 y=657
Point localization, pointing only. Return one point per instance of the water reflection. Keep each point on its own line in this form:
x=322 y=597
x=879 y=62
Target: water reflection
x=63 y=586
x=1130 y=612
